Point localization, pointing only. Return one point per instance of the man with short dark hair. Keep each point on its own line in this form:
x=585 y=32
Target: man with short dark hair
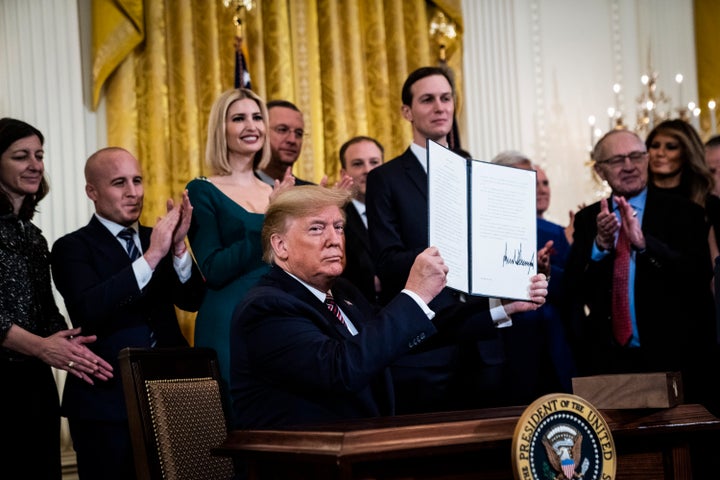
x=470 y=375
x=286 y=131
x=358 y=156
x=306 y=346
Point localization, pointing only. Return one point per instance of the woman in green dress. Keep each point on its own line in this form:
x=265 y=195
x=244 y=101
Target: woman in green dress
x=228 y=213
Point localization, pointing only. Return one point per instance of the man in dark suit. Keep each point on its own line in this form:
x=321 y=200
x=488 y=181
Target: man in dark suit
x=121 y=285
x=539 y=353
x=358 y=156
x=306 y=346
x=668 y=321
x=457 y=376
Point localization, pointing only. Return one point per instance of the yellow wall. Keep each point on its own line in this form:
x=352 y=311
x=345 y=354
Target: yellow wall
x=707 y=45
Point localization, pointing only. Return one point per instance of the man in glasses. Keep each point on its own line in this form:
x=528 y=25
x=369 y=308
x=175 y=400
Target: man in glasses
x=285 y=134
x=639 y=274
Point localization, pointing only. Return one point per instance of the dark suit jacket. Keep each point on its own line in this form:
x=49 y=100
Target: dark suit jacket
x=300 y=181
x=397 y=211
x=673 y=301
x=93 y=272
x=293 y=363
x=537 y=346
x=359 y=267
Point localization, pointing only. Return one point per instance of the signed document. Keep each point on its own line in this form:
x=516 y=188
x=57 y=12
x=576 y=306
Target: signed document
x=482 y=218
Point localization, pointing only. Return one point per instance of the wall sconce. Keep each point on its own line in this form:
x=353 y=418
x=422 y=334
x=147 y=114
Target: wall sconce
x=444 y=32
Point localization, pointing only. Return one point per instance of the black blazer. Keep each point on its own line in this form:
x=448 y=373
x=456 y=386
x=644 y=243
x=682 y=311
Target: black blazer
x=673 y=302
x=93 y=272
x=293 y=363
x=397 y=211
x=359 y=267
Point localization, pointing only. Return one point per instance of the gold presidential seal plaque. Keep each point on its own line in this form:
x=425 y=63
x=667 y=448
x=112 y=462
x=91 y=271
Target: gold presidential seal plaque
x=563 y=437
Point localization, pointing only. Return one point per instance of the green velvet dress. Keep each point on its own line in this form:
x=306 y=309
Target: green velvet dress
x=225 y=240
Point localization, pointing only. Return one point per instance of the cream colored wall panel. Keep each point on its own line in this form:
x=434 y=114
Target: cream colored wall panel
x=42 y=83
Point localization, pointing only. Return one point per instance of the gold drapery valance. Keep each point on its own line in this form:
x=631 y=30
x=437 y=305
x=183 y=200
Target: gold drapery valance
x=118 y=28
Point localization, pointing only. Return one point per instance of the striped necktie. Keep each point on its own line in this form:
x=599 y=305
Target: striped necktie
x=133 y=252
x=128 y=235
x=333 y=307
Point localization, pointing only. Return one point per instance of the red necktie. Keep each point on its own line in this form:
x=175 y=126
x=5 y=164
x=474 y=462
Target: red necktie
x=621 y=324
x=333 y=307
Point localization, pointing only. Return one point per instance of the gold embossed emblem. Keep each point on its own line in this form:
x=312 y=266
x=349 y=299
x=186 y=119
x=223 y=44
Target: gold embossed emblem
x=563 y=437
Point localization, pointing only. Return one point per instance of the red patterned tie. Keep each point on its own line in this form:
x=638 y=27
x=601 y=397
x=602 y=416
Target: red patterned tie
x=621 y=325
x=333 y=307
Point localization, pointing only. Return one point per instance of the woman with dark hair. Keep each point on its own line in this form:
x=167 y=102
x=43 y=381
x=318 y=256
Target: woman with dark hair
x=33 y=333
x=677 y=164
x=677 y=161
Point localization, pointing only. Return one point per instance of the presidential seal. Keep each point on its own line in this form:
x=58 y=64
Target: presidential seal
x=563 y=437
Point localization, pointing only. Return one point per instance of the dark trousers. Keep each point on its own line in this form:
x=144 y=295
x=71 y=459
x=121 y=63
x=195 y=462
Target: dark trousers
x=104 y=451
x=30 y=428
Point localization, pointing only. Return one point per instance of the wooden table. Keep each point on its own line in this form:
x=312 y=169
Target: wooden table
x=651 y=444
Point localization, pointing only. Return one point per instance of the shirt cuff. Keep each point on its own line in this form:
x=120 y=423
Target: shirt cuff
x=426 y=310
x=183 y=266
x=143 y=272
x=498 y=313
x=598 y=254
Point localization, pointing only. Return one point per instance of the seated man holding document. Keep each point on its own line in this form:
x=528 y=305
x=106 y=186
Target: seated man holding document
x=306 y=345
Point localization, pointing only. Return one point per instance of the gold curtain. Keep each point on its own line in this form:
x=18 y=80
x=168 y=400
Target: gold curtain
x=707 y=48
x=342 y=63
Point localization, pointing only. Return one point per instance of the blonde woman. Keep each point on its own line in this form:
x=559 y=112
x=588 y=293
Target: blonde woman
x=229 y=209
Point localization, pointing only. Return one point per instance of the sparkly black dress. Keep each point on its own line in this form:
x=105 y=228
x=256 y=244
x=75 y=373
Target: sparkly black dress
x=29 y=402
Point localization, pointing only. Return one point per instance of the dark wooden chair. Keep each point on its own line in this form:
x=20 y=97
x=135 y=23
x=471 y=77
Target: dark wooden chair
x=175 y=412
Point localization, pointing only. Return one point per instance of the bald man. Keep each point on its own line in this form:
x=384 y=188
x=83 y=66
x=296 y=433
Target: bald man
x=120 y=281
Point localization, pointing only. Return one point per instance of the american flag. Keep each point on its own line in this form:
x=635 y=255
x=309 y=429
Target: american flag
x=568 y=467
x=242 y=73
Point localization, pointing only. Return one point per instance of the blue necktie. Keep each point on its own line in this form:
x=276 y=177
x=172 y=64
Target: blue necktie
x=128 y=235
x=133 y=252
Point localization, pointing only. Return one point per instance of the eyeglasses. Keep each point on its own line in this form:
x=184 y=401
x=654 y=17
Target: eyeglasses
x=636 y=158
x=283 y=130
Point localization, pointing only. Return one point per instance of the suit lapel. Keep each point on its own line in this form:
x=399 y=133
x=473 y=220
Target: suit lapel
x=299 y=291
x=415 y=172
x=356 y=225
x=107 y=244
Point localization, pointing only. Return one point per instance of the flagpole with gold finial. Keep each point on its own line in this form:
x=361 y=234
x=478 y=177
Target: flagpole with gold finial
x=443 y=31
x=242 y=73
